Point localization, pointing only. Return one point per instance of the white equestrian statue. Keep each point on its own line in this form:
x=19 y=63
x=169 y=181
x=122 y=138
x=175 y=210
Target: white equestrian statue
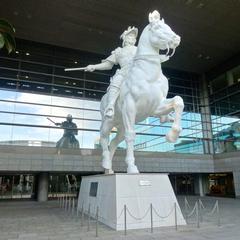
x=143 y=94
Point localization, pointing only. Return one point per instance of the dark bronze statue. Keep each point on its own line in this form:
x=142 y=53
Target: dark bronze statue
x=68 y=139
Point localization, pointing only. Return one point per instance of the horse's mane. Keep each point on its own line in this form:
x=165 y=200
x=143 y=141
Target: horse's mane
x=143 y=36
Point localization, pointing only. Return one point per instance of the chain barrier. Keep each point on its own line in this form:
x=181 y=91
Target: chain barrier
x=201 y=204
x=120 y=214
x=171 y=211
x=187 y=205
x=69 y=204
x=138 y=218
x=193 y=211
x=201 y=211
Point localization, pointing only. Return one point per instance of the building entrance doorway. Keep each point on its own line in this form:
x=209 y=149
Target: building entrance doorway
x=183 y=184
x=221 y=184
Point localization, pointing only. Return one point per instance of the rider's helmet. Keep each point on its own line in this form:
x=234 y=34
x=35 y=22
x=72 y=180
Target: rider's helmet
x=131 y=31
x=69 y=117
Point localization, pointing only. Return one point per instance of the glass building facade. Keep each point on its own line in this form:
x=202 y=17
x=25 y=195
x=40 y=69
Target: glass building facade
x=35 y=92
x=224 y=97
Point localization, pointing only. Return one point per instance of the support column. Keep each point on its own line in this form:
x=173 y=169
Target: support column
x=42 y=195
x=236 y=180
x=201 y=184
x=198 y=185
x=206 y=118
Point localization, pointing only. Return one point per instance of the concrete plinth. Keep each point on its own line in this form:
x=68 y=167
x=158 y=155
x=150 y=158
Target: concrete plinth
x=42 y=195
x=137 y=192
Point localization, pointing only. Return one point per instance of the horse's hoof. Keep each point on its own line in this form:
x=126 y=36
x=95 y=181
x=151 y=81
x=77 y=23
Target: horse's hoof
x=132 y=169
x=108 y=171
x=106 y=164
x=173 y=135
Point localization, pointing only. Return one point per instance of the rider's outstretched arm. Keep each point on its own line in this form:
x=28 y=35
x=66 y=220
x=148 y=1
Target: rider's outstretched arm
x=106 y=65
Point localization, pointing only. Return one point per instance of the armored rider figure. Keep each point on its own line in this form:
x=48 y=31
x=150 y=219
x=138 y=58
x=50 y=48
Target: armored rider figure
x=68 y=139
x=122 y=56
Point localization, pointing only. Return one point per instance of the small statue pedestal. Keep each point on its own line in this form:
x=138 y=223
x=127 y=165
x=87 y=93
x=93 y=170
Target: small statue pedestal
x=110 y=193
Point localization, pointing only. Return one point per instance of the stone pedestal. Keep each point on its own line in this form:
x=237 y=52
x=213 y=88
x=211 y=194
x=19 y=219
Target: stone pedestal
x=137 y=191
x=42 y=195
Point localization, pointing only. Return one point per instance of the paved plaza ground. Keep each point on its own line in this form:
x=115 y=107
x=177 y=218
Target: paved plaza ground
x=33 y=220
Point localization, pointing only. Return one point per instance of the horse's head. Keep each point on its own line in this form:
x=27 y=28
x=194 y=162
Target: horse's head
x=161 y=35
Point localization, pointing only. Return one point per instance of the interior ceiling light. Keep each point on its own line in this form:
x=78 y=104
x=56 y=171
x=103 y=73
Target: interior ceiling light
x=188 y=2
x=17 y=52
x=200 y=5
x=76 y=62
x=27 y=54
x=74 y=83
x=66 y=82
x=26 y=76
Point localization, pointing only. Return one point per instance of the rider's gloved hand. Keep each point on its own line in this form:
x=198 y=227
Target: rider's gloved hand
x=90 y=68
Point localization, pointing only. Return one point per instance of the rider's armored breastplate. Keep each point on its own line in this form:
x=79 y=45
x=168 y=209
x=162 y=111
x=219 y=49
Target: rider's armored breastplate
x=125 y=56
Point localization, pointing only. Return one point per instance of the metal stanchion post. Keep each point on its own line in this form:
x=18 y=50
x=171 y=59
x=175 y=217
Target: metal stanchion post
x=73 y=205
x=97 y=221
x=125 y=220
x=185 y=205
x=69 y=204
x=88 y=227
x=186 y=211
x=197 y=215
x=151 y=212
x=218 y=214
x=200 y=210
x=175 y=211
x=66 y=201
x=77 y=208
x=82 y=216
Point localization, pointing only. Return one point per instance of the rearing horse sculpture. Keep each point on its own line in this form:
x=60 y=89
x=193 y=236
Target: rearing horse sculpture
x=143 y=94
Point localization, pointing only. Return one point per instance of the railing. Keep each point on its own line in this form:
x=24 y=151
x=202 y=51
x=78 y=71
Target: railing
x=200 y=211
x=91 y=216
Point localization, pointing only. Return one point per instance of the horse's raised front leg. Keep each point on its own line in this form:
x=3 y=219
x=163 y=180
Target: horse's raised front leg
x=105 y=131
x=167 y=106
x=129 y=115
x=166 y=118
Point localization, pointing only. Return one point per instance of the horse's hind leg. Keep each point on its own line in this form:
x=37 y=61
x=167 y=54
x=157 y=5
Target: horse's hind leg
x=129 y=115
x=115 y=141
x=105 y=130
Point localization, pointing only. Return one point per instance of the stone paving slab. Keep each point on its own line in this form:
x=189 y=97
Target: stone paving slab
x=46 y=221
